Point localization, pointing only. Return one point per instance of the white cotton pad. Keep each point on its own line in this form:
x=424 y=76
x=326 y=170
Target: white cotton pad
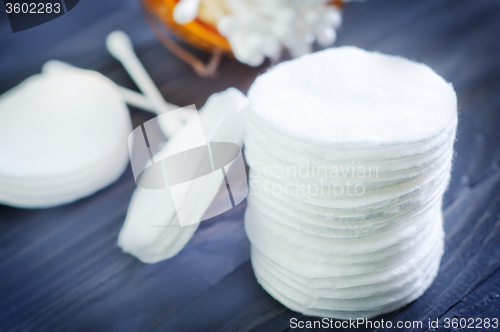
x=356 y=197
x=53 y=186
x=419 y=252
x=333 y=153
x=58 y=124
x=351 y=218
x=263 y=151
x=403 y=233
x=368 y=298
x=360 y=288
x=66 y=180
x=46 y=196
x=331 y=176
x=361 y=273
x=55 y=182
x=341 y=229
x=353 y=99
x=152 y=231
x=325 y=214
x=337 y=314
x=266 y=243
x=265 y=165
x=327 y=239
x=349 y=308
x=399 y=157
x=330 y=266
x=282 y=250
x=365 y=281
x=303 y=285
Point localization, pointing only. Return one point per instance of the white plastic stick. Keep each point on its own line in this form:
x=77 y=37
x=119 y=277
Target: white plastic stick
x=120 y=47
x=138 y=100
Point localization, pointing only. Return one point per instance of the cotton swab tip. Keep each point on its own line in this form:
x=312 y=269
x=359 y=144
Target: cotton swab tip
x=119 y=44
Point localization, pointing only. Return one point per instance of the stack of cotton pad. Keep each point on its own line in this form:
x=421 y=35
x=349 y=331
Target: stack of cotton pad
x=349 y=154
x=152 y=231
x=63 y=136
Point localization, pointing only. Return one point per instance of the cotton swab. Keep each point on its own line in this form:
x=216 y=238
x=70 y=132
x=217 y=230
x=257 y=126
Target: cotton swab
x=186 y=10
x=138 y=100
x=120 y=47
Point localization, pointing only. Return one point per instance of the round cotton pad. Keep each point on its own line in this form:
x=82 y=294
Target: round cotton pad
x=352 y=99
x=58 y=124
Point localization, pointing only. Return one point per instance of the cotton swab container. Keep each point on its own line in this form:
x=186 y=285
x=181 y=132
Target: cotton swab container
x=350 y=154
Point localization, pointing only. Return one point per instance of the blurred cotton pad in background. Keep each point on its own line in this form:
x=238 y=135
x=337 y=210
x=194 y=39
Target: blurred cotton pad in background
x=62 y=137
x=350 y=153
x=63 y=133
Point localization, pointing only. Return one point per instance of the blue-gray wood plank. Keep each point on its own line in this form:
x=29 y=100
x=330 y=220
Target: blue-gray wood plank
x=60 y=268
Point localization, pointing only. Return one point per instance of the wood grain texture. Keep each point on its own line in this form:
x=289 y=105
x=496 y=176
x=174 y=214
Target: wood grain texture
x=60 y=268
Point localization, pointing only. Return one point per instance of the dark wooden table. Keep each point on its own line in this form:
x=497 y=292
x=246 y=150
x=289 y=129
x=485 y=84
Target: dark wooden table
x=61 y=270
